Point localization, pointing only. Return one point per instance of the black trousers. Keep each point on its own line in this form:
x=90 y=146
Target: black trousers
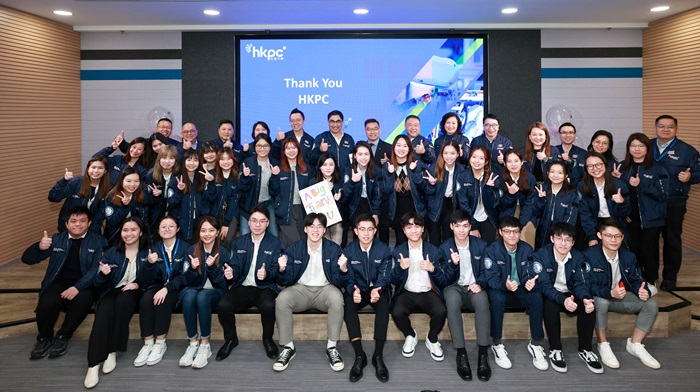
x=488 y=231
x=110 y=331
x=381 y=316
x=585 y=322
x=241 y=298
x=155 y=320
x=384 y=222
x=440 y=231
x=645 y=244
x=50 y=305
x=673 y=245
x=429 y=302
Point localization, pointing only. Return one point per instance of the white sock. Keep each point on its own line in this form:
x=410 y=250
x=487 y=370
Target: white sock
x=148 y=341
x=204 y=345
x=160 y=341
x=194 y=343
x=331 y=343
x=290 y=345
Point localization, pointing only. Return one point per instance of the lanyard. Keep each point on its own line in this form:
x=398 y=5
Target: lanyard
x=658 y=157
x=168 y=265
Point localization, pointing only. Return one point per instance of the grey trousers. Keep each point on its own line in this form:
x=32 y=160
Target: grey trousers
x=458 y=297
x=630 y=304
x=299 y=298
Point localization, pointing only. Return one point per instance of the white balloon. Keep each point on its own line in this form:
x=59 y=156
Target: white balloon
x=155 y=115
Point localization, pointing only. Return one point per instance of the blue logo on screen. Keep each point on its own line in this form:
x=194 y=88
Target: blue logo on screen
x=269 y=54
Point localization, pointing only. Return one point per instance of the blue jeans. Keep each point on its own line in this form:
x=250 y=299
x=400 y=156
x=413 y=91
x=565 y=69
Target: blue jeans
x=521 y=298
x=199 y=302
x=271 y=229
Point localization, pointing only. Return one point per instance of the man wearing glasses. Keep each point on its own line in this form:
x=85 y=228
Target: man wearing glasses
x=495 y=142
x=297 y=121
x=681 y=162
x=334 y=141
x=189 y=139
x=422 y=147
x=512 y=282
x=564 y=282
x=568 y=152
x=617 y=286
x=251 y=273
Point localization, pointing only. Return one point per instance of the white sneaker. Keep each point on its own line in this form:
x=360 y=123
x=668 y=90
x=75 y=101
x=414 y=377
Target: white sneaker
x=539 y=359
x=156 y=353
x=203 y=354
x=187 y=359
x=435 y=349
x=606 y=356
x=110 y=363
x=501 y=356
x=638 y=350
x=143 y=355
x=92 y=377
x=409 y=346
x=591 y=360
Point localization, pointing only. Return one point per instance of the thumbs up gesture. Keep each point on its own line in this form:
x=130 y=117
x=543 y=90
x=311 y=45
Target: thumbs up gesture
x=634 y=181
x=105 y=269
x=420 y=148
x=343 y=263
x=228 y=143
x=337 y=195
x=246 y=170
x=152 y=256
x=385 y=159
x=118 y=140
x=454 y=256
x=588 y=305
x=45 y=242
x=617 y=198
x=511 y=284
x=68 y=175
x=684 y=176
x=500 y=157
x=619 y=291
x=541 y=155
x=323 y=146
x=413 y=165
x=211 y=259
x=228 y=272
x=374 y=295
x=390 y=168
x=356 y=295
x=194 y=262
x=643 y=294
x=426 y=265
x=570 y=304
x=404 y=263
x=246 y=146
x=262 y=273
x=280 y=134
x=282 y=263
x=530 y=284
x=275 y=170
x=430 y=178
x=356 y=176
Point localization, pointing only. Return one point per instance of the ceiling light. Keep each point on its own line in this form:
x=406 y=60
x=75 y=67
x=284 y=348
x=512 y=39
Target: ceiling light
x=509 y=10
x=211 y=12
x=361 y=11
x=63 y=13
x=660 y=8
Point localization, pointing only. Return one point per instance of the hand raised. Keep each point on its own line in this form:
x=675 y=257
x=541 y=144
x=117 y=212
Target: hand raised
x=211 y=259
x=356 y=295
x=152 y=256
x=282 y=263
x=634 y=181
x=617 y=198
x=180 y=183
x=374 y=295
x=616 y=170
x=194 y=262
x=413 y=165
x=540 y=191
x=530 y=284
x=261 y=274
x=323 y=146
x=45 y=242
x=246 y=170
x=492 y=179
x=570 y=304
x=275 y=170
x=404 y=263
x=68 y=175
x=343 y=263
x=454 y=256
x=511 y=284
x=430 y=178
x=513 y=188
x=420 y=148
x=228 y=272
x=207 y=176
x=426 y=265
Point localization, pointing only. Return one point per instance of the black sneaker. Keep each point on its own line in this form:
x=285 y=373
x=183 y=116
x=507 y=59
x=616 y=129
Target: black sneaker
x=60 y=345
x=334 y=359
x=41 y=348
x=556 y=358
x=283 y=360
x=591 y=361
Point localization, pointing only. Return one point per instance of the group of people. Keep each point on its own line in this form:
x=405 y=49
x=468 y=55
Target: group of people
x=478 y=225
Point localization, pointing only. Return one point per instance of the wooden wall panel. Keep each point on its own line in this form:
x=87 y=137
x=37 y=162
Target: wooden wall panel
x=39 y=123
x=671 y=85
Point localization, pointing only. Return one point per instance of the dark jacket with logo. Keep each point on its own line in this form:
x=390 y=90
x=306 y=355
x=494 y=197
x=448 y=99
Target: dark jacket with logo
x=70 y=191
x=368 y=272
x=436 y=195
x=589 y=207
x=575 y=166
x=468 y=196
x=222 y=199
x=441 y=277
x=250 y=186
x=307 y=144
x=498 y=264
x=269 y=251
x=551 y=209
x=499 y=143
x=508 y=202
x=168 y=271
x=477 y=249
x=341 y=152
x=652 y=193
x=574 y=271
x=282 y=190
x=116 y=164
x=601 y=274
x=419 y=188
x=676 y=158
x=459 y=138
x=298 y=259
x=145 y=271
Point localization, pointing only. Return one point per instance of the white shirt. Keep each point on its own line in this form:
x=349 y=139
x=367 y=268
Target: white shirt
x=418 y=280
x=560 y=281
x=250 y=278
x=603 y=211
x=449 y=175
x=480 y=212
x=314 y=275
x=466 y=273
x=614 y=269
x=129 y=274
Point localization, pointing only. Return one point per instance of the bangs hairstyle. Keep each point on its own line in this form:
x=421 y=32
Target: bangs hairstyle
x=609 y=157
x=588 y=187
x=409 y=158
x=149 y=152
x=284 y=161
x=199 y=181
x=142 y=158
x=310 y=218
x=262 y=124
x=165 y=152
x=199 y=247
x=143 y=238
x=365 y=218
x=102 y=186
x=566 y=186
x=458 y=216
x=370 y=164
x=530 y=147
x=206 y=148
x=563 y=228
x=119 y=188
x=522 y=175
x=648 y=158
x=335 y=177
x=440 y=165
x=487 y=159
x=446 y=117
x=217 y=168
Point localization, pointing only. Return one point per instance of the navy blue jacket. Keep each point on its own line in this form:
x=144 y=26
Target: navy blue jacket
x=193 y=278
x=499 y=143
x=281 y=188
x=341 y=152
x=382 y=148
x=188 y=208
x=419 y=187
x=237 y=148
x=676 y=158
x=368 y=272
x=168 y=272
x=157 y=205
x=508 y=203
x=436 y=193
x=477 y=250
x=115 y=215
x=221 y=199
x=181 y=150
x=242 y=258
x=298 y=259
x=145 y=271
x=589 y=207
x=70 y=190
x=498 y=264
x=353 y=192
x=441 y=277
x=577 y=156
x=116 y=164
x=574 y=271
x=600 y=273
x=250 y=186
x=91 y=250
x=562 y=206
x=428 y=158
x=307 y=144
x=651 y=193
x=530 y=165
x=468 y=196
x=459 y=138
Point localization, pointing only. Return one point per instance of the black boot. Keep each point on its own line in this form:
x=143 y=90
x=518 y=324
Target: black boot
x=226 y=349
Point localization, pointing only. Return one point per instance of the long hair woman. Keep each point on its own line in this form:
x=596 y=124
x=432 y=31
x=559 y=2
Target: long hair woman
x=124 y=200
x=479 y=195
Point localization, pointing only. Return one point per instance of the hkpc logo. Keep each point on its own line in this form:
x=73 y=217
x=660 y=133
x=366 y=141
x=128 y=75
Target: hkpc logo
x=269 y=54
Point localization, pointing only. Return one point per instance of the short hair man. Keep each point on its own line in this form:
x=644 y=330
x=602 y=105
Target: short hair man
x=469 y=291
x=564 y=283
x=419 y=280
x=74 y=257
x=494 y=141
x=617 y=286
x=381 y=151
x=334 y=141
x=189 y=138
x=250 y=270
x=512 y=283
x=164 y=126
x=306 y=141
x=225 y=138
x=422 y=147
x=313 y=271
x=570 y=153
x=371 y=264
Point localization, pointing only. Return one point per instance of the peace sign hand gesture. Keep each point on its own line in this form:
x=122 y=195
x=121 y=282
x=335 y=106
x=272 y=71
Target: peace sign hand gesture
x=492 y=180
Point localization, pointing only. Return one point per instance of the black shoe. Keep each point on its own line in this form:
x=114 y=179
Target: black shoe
x=463 y=368
x=356 y=369
x=226 y=349
x=483 y=371
x=41 y=347
x=668 y=285
x=271 y=349
x=334 y=359
x=60 y=345
x=382 y=372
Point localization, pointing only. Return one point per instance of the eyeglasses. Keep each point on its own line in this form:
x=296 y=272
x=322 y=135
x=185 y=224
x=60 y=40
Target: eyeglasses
x=316 y=227
x=366 y=229
x=637 y=146
x=612 y=236
x=601 y=142
x=335 y=121
x=666 y=128
x=373 y=129
x=261 y=146
x=258 y=222
x=510 y=231
x=165 y=127
x=594 y=166
x=490 y=125
x=188 y=131
x=563 y=240
x=296 y=121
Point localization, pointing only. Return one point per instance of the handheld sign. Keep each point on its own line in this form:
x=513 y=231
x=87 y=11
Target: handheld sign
x=319 y=198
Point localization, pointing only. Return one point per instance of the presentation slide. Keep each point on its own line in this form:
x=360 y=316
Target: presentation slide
x=382 y=78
